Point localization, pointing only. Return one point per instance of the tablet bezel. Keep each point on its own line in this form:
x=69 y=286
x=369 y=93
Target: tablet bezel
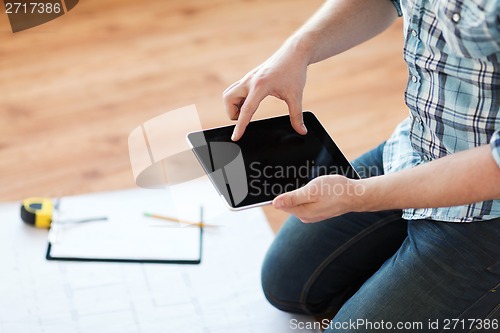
x=313 y=125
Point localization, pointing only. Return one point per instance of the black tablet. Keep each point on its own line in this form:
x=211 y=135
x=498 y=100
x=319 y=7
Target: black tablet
x=270 y=159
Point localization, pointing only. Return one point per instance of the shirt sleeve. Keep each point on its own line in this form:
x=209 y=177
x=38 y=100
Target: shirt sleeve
x=495 y=147
x=397 y=4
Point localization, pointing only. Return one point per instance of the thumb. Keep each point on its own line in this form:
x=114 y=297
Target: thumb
x=296 y=118
x=292 y=199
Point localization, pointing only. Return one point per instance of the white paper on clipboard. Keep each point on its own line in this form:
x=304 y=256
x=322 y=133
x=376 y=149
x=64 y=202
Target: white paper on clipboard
x=126 y=235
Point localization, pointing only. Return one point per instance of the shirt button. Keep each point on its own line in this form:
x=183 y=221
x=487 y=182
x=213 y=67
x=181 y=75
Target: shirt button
x=414 y=33
x=414 y=79
x=455 y=17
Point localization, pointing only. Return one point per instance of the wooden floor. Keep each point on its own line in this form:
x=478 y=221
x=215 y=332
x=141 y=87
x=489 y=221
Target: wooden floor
x=71 y=90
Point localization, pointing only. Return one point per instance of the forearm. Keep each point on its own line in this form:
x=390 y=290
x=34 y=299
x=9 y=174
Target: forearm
x=462 y=178
x=340 y=25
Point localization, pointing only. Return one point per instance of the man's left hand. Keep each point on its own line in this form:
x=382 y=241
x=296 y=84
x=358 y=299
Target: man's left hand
x=321 y=198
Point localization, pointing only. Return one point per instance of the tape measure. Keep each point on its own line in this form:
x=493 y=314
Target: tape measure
x=37 y=212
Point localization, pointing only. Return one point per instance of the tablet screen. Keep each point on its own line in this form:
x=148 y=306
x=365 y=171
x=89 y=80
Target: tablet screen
x=270 y=159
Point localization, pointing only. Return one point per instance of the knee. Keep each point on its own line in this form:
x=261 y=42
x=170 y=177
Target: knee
x=290 y=274
x=277 y=282
x=282 y=278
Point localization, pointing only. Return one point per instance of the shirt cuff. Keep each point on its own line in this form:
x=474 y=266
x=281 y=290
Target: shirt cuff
x=495 y=147
x=397 y=4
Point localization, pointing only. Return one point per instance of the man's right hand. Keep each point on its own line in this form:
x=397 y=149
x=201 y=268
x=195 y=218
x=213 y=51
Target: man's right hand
x=336 y=27
x=283 y=76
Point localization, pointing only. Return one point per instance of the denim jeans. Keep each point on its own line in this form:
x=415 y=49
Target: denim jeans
x=375 y=272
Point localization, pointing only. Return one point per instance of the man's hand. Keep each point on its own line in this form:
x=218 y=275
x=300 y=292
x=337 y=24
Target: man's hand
x=322 y=198
x=336 y=27
x=282 y=76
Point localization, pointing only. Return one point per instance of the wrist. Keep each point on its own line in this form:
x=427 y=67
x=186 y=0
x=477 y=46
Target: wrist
x=365 y=197
x=300 y=48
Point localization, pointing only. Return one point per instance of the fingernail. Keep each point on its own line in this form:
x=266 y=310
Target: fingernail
x=278 y=203
x=233 y=136
x=304 y=128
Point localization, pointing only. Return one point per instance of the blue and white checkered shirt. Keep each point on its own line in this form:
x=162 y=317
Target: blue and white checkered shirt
x=452 y=49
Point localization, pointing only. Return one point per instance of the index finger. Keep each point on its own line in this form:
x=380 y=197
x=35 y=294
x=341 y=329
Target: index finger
x=247 y=110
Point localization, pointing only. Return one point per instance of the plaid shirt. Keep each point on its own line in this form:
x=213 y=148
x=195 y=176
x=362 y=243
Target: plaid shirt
x=452 y=49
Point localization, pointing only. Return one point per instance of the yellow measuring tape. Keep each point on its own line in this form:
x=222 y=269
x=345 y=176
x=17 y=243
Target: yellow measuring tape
x=37 y=212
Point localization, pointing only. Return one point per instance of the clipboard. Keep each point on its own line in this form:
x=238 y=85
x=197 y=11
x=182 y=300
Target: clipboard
x=126 y=235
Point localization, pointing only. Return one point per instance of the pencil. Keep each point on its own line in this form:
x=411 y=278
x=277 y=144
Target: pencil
x=171 y=219
x=201 y=214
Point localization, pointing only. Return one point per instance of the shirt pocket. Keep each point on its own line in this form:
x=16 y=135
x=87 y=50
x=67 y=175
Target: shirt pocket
x=470 y=28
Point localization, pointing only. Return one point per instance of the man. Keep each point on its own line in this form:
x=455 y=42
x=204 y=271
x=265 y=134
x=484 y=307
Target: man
x=420 y=243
